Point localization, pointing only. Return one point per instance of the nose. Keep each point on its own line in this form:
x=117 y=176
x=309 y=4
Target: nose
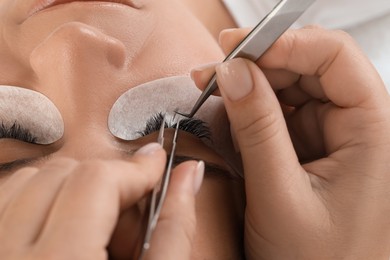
x=79 y=67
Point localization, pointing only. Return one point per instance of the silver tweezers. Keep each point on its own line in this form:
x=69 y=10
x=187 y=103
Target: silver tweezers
x=157 y=196
x=266 y=32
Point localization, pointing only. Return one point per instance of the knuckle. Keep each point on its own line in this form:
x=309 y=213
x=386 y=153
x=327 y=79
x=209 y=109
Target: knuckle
x=62 y=167
x=291 y=43
x=314 y=27
x=341 y=39
x=25 y=171
x=259 y=130
x=20 y=176
x=96 y=170
x=183 y=226
x=342 y=35
x=103 y=172
x=60 y=163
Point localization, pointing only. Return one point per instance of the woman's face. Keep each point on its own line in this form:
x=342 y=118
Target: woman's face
x=82 y=56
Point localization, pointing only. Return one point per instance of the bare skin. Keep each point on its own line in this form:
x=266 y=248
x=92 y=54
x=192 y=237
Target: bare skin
x=215 y=17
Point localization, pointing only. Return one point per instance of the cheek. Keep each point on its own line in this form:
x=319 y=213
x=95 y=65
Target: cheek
x=219 y=221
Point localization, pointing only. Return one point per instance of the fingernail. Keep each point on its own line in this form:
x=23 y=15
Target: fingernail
x=234 y=79
x=199 y=173
x=199 y=70
x=149 y=149
x=223 y=34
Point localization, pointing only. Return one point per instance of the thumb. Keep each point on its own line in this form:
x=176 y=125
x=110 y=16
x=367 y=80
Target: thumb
x=270 y=162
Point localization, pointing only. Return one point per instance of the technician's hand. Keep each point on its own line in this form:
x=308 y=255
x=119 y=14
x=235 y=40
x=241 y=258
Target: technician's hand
x=70 y=210
x=318 y=179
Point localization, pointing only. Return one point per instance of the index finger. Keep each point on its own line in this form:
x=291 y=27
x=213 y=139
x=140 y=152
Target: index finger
x=89 y=202
x=346 y=75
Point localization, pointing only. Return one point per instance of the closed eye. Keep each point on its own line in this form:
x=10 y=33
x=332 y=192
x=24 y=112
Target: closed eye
x=16 y=131
x=193 y=126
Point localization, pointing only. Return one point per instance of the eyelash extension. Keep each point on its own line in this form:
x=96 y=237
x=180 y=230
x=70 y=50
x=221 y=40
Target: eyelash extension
x=193 y=126
x=16 y=131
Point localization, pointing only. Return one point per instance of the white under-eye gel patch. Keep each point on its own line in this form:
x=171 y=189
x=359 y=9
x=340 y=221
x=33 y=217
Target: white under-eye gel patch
x=31 y=111
x=131 y=111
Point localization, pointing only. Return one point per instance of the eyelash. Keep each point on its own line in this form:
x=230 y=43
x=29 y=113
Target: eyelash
x=193 y=126
x=16 y=131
